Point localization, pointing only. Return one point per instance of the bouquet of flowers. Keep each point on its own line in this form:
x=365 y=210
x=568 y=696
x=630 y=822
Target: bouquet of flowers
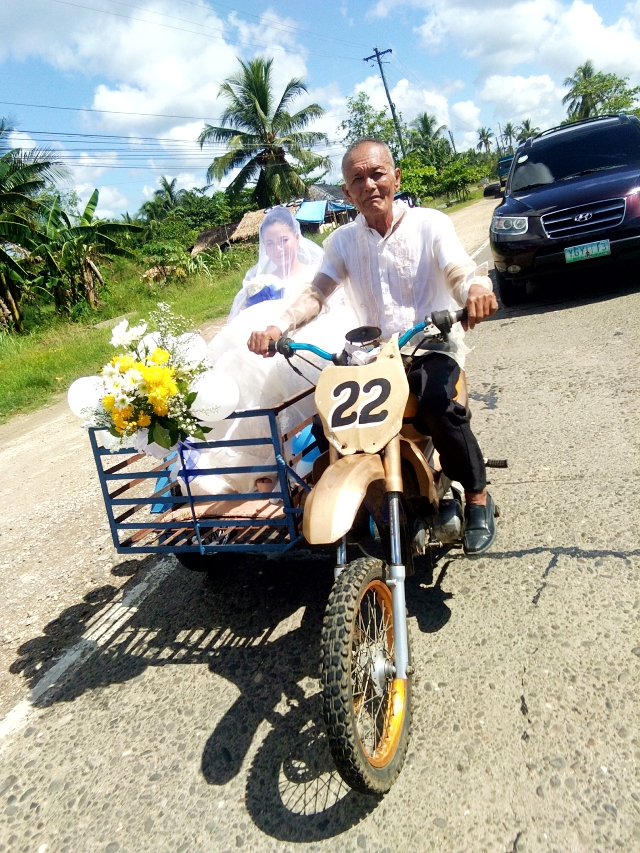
x=262 y=288
x=158 y=390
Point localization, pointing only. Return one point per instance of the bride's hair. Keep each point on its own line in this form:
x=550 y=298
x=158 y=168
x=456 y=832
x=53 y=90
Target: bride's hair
x=283 y=216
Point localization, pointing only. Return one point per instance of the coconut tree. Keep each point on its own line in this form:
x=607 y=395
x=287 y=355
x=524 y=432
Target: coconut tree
x=261 y=134
x=164 y=201
x=485 y=135
x=580 y=104
x=509 y=133
x=526 y=130
x=426 y=131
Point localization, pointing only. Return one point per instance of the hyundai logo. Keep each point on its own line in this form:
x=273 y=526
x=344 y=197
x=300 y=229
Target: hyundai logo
x=583 y=217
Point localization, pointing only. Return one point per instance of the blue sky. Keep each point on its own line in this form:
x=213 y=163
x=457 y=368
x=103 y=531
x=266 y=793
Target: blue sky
x=471 y=62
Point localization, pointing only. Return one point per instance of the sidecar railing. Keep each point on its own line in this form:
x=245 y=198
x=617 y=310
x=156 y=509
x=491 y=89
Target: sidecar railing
x=152 y=509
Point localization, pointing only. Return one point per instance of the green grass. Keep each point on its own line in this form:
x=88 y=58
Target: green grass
x=474 y=196
x=39 y=365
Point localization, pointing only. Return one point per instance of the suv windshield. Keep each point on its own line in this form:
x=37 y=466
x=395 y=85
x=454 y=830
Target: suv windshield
x=572 y=154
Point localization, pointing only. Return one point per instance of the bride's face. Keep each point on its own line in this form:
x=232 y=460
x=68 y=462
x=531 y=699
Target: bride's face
x=281 y=246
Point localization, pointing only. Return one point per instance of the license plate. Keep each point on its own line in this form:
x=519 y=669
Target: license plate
x=597 y=249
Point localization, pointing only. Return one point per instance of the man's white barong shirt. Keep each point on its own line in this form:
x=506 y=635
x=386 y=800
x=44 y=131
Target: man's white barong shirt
x=395 y=281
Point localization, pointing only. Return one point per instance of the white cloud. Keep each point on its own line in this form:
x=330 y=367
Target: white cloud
x=558 y=36
x=465 y=121
x=516 y=98
x=111 y=202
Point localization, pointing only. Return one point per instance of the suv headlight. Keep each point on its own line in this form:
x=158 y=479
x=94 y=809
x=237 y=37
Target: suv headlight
x=510 y=224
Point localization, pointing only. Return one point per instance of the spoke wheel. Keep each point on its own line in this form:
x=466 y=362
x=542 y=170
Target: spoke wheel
x=367 y=710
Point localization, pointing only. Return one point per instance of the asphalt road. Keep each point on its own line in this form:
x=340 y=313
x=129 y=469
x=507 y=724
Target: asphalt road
x=184 y=715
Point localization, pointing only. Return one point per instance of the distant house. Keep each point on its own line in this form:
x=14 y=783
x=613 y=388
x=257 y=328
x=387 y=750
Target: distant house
x=325 y=208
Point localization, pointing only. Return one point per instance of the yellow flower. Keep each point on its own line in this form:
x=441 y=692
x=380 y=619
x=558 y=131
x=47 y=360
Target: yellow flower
x=120 y=418
x=159 y=356
x=160 y=407
x=144 y=419
x=108 y=402
x=123 y=362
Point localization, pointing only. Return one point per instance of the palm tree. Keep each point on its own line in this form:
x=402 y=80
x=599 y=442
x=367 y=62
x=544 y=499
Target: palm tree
x=526 y=130
x=260 y=132
x=485 y=135
x=164 y=201
x=579 y=105
x=509 y=133
x=425 y=132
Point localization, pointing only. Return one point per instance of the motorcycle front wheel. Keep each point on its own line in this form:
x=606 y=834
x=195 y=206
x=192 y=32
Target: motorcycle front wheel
x=367 y=711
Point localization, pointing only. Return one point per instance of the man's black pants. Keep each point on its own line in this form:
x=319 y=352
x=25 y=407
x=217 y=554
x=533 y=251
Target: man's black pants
x=432 y=379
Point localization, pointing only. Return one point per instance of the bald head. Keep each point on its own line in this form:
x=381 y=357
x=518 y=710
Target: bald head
x=382 y=150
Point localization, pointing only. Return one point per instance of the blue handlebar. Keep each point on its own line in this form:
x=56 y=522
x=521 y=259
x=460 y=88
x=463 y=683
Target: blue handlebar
x=311 y=348
x=404 y=339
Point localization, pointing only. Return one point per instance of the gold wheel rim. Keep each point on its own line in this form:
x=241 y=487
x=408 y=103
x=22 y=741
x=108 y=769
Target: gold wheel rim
x=379 y=704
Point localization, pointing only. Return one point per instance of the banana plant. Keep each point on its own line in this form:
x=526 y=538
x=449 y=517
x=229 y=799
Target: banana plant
x=58 y=257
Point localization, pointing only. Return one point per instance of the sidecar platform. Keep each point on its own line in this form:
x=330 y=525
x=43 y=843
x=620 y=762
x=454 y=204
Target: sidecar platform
x=151 y=507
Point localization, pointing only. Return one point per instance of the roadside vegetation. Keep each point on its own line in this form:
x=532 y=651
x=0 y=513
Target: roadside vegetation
x=65 y=273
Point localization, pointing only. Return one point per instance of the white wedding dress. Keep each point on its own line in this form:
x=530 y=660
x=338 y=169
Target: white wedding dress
x=266 y=382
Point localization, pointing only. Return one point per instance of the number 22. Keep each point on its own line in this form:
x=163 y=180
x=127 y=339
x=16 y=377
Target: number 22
x=364 y=414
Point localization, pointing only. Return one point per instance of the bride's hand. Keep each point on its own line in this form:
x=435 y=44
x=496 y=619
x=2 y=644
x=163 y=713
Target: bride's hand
x=259 y=341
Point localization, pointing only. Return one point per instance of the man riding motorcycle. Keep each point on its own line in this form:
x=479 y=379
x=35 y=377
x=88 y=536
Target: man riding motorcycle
x=398 y=264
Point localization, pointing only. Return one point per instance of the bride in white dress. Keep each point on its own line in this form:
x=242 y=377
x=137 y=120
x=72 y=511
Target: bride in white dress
x=287 y=263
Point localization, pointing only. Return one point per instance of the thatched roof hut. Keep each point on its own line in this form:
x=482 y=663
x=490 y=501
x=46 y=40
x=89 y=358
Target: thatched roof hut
x=217 y=236
x=249 y=226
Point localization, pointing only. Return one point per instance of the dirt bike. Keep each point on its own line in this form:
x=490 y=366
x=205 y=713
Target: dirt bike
x=378 y=477
x=379 y=469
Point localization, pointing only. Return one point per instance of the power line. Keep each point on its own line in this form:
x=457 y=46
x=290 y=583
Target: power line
x=108 y=112
x=276 y=24
x=193 y=32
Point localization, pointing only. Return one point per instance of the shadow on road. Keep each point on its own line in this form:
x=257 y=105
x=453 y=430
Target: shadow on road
x=571 y=290
x=257 y=626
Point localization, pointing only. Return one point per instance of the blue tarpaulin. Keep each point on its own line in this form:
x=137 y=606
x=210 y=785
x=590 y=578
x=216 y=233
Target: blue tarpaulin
x=312 y=211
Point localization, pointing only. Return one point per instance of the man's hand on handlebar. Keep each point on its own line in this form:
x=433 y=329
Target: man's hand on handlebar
x=481 y=303
x=259 y=341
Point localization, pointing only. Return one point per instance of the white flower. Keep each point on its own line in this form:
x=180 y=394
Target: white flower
x=110 y=371
x=259 y=283
x=136 y=332
x=122 y=400
x=119 y=334
x=113 y=386
x=123 y=336
x=131 y=380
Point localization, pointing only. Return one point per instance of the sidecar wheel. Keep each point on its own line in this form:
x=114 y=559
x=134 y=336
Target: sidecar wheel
x=367 y=711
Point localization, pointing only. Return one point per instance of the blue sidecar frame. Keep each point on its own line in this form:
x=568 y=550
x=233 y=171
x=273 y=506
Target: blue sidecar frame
x=204 y=524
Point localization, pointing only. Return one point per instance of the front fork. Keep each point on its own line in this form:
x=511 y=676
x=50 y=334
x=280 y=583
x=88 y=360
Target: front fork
x=397 y=574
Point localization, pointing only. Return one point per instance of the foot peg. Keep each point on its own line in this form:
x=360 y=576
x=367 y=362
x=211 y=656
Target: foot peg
x=496 y=463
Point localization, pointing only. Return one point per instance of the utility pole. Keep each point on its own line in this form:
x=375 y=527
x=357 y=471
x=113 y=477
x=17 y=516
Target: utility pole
x=376 y=55
x=452 y=142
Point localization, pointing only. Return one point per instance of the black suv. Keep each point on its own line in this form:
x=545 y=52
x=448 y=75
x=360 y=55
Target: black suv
x=572 y=198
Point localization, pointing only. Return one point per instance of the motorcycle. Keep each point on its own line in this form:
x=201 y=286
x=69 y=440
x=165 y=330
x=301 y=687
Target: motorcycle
x=378 y=474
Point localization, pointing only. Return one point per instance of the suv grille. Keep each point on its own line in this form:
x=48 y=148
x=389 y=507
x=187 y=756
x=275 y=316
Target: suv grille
x=596 y=216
